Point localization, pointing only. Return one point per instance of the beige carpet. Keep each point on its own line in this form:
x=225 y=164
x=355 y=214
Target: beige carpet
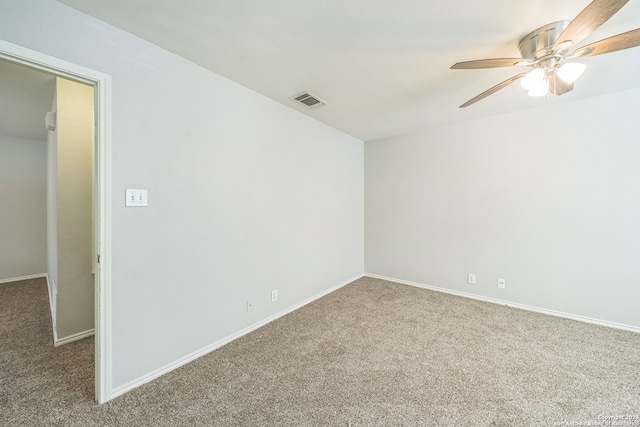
x=373 y=353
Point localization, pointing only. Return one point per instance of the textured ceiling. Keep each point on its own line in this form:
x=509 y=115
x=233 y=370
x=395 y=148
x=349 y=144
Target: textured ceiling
x=25 y=97
x=382 y=66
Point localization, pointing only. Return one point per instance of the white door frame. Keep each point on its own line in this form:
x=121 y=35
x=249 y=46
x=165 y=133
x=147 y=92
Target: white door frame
x=102 y=104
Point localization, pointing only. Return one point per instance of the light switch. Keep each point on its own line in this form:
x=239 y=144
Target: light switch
x=136 y=197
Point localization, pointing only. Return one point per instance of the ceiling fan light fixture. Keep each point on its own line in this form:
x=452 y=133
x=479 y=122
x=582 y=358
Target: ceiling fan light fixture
x=534 y=79
x=547 y=47
x=540 y=88
x=570 y=71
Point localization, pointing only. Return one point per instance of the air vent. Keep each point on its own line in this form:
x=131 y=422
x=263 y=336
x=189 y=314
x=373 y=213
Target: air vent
x=309 y=99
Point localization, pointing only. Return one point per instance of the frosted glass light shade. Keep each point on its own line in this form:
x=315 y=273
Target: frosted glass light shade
x=534 y=78
x=539 y=89
x=570 y=71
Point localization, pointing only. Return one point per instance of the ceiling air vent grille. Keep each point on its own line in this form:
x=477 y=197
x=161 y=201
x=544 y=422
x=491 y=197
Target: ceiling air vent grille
x=309 y=99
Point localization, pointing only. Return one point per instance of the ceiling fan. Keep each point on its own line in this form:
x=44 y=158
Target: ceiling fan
x=546 y=50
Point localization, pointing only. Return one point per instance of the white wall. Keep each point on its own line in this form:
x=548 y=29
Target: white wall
x=23 y=226
x=245 y=194
x=548 y=199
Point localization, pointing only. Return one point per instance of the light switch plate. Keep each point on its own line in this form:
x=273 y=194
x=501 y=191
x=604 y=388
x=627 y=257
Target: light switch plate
x=136 y=197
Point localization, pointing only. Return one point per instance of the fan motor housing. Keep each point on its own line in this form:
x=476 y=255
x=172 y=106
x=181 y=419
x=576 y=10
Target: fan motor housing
x=539 y=43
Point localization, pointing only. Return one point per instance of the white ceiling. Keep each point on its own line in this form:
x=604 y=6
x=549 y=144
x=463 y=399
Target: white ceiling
x=382 y=66
x=25 y=97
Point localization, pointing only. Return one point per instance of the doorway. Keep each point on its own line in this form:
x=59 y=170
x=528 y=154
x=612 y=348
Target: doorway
x=101 y=84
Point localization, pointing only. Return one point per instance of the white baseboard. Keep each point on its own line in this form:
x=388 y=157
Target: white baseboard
x=117 y=391
x=17 y=279
x=511 y=304
x=74 y=337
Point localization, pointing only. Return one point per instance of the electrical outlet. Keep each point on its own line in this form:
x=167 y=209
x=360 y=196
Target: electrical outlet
x=251 y=304
x=501 y=283
x=471 y=279
x=274 y=295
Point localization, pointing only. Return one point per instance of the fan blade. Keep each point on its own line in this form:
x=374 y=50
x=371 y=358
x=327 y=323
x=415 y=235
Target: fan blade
x=591 y=18
x=490 y=63
x=557 y=86
x=611 y=44
x=493 y=90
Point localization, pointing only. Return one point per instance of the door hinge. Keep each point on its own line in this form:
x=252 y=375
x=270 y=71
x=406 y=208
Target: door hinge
x=98 y=258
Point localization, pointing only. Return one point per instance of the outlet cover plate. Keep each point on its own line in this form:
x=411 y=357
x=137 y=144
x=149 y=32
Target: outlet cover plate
x=501 y=283
x=471 y=279
x=136 y=197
